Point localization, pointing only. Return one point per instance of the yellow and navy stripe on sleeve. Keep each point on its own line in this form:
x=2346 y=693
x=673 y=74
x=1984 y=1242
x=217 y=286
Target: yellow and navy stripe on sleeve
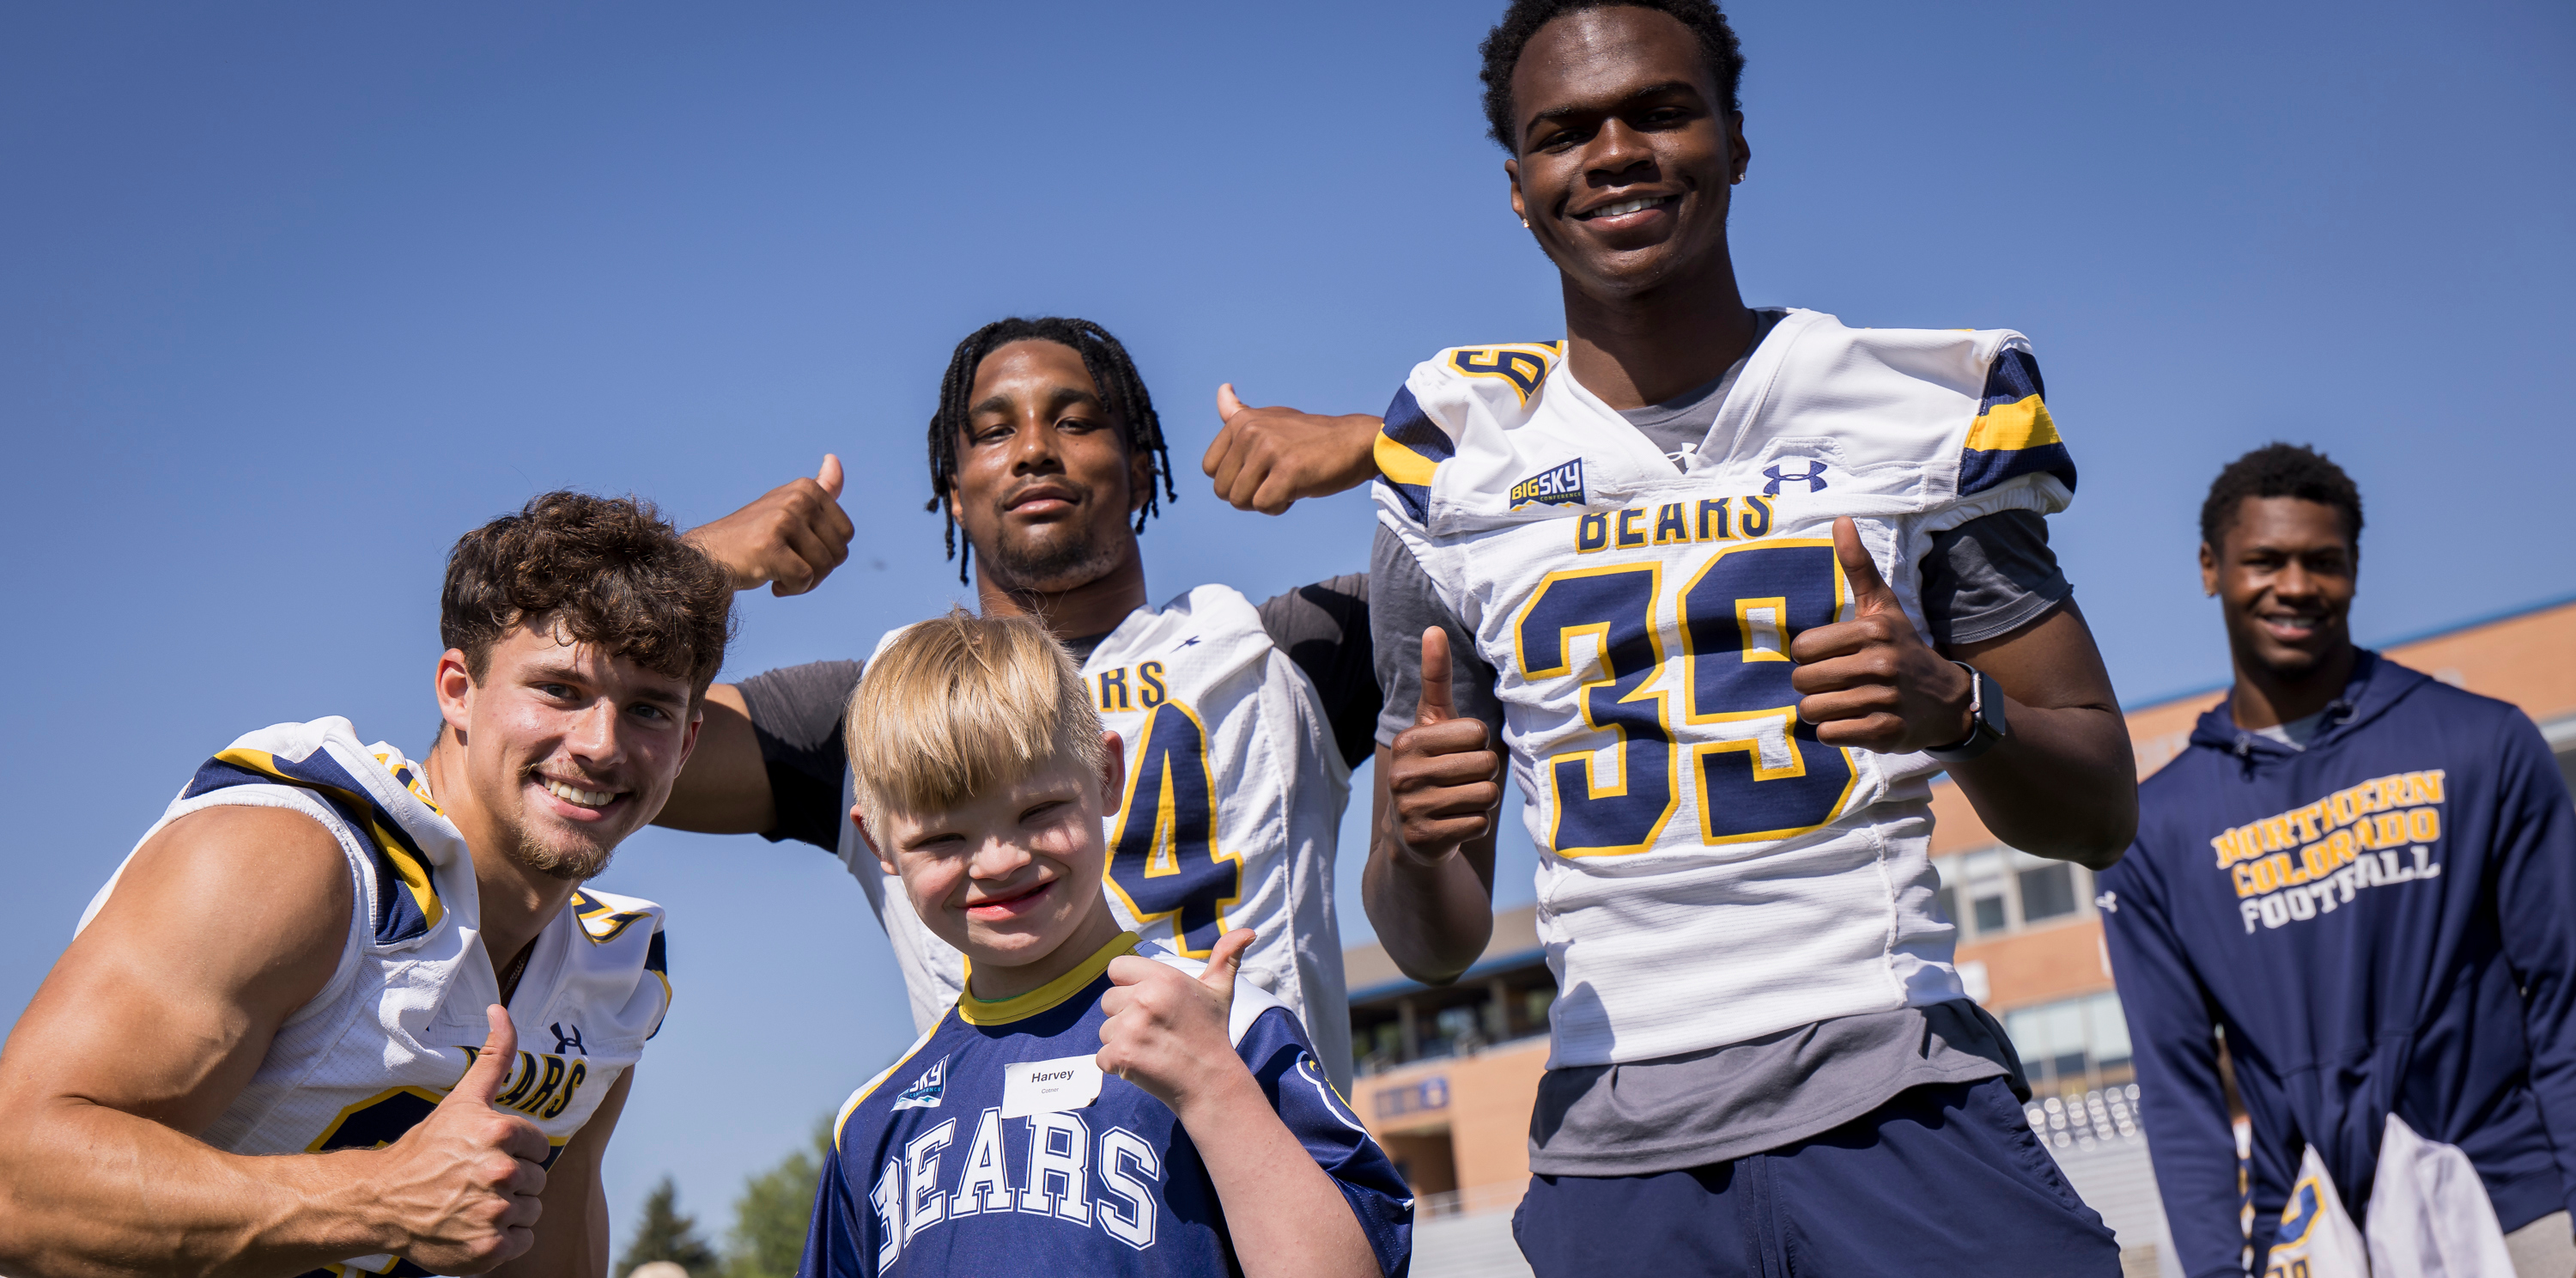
x=407 y=902
x=600 y=921
x=2013 y=434
x=1409 y=449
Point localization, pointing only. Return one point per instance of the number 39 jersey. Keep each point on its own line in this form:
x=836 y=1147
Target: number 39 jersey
x=402 y=1016
x=1234 y=802
x=1709 y=871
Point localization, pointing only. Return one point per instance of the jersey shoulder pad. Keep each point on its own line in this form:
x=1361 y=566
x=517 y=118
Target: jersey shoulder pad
x=606 y=916
x=374 y=792
x=2013 y=434
x=1956 y=402
x=1431 y=411
x=1213 y=600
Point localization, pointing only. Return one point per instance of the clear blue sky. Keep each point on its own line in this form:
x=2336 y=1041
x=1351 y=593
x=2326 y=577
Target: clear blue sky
x=291 y=295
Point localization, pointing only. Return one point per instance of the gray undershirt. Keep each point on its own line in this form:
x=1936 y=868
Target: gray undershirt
x=2297 y=733
x=1680 y=425
x=1723 y=1103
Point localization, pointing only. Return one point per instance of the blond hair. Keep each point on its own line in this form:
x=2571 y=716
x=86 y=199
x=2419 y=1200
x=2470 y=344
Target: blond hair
x=960 y=705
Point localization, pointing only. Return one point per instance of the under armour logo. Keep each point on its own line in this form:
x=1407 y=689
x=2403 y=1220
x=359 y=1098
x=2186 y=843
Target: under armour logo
x=1814 y=479
x=571 y=1041
x=2108 y=902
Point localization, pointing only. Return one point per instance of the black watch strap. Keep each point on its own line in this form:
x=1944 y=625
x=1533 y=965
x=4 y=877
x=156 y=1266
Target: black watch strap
x=1986 y=727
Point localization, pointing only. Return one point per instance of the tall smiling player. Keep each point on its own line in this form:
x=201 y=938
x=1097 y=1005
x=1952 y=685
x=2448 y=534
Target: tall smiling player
x=1242 y=721
x=259 y=1054
x=1682 y=566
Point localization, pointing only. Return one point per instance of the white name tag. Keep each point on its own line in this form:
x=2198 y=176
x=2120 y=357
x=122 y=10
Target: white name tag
x=1046 y=1087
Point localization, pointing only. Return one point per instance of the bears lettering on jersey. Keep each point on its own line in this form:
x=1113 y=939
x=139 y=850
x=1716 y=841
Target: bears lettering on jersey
x=1021 y=1161
x=1048 y=1165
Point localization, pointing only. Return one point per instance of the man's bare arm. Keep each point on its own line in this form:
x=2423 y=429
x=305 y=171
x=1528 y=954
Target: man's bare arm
x=1429 y=885
x=572 y=1236
x=2064 y=783
x=725 y=787
x=1266 y=459
x=153 y=1020
x=790 y=539
x=2061 y=784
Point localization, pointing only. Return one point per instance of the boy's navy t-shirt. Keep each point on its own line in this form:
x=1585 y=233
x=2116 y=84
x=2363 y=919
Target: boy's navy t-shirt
x=927 y=1176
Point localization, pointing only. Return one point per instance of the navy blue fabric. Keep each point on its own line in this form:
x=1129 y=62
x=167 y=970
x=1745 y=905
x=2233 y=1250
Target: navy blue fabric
x=1941 y=1180
x=2383 y=922
x=398 y=917
x=1118 y=1189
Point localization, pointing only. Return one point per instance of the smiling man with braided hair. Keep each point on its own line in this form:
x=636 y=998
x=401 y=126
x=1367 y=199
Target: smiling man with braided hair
x=1242 y=722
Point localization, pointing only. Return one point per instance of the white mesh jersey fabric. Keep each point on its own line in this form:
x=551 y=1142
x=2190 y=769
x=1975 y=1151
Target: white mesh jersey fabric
x=398 y=1023
x=1710 y=872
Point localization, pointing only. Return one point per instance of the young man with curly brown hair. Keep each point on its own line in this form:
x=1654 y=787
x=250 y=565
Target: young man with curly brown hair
x=287 y=1038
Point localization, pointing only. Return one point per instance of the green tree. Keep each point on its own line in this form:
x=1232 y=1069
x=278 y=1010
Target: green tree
x=770 y=1218
x=665 y=1234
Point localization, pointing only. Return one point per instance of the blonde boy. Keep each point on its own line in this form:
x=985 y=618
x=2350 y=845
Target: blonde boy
x=1087 y=1106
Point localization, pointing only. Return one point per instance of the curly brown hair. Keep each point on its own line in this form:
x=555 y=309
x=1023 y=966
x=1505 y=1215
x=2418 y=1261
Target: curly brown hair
x=608 y=570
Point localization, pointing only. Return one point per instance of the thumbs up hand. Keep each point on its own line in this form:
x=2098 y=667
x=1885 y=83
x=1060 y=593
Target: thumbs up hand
x=1167 y=1031
x=1871 y=682
x=1442 y=772
x=462 y=1184
x=1265 y=459
x=791 y=538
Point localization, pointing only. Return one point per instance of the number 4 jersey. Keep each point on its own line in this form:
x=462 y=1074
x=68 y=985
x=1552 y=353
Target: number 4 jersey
x=1234 y=799
x=394 y=1029
x=1709 y=871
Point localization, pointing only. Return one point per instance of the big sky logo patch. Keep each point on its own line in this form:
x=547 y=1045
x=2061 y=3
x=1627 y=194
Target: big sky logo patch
x=1555 y=486
x=925 y=1090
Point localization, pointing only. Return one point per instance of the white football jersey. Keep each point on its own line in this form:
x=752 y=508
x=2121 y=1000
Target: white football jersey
x=1709 y=872
x=1234 y=801
x=402 y=1016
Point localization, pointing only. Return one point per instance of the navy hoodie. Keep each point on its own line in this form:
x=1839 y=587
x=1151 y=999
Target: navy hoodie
x=2383 y=922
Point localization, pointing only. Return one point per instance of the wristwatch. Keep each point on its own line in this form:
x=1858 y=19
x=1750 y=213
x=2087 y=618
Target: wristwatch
x=1985 y=720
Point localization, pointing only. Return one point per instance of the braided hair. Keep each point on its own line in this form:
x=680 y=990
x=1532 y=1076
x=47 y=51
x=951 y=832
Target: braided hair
x=1111 y=369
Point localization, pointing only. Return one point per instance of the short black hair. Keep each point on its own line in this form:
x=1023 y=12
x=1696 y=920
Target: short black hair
x=2280 y=470
x=1503 y=45
x=1122 y=390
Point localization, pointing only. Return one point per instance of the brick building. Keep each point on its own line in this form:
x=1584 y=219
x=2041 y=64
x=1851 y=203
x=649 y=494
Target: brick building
x=1448 y=1074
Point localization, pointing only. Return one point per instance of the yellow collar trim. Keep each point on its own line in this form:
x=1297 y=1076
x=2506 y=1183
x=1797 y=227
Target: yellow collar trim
x=976 y=1011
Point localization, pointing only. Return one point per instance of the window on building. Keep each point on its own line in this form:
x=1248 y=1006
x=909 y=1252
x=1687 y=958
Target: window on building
x=2074 y=1045
x=2047 y=892
x=1985 y=875
x=2006 y=890
x=1414 y=1024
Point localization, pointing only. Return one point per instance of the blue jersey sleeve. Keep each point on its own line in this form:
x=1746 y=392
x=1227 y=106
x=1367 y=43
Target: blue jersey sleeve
x=1274 y=1047
x=2172 y=1031
x=836 y=1242
x=2536 y=912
